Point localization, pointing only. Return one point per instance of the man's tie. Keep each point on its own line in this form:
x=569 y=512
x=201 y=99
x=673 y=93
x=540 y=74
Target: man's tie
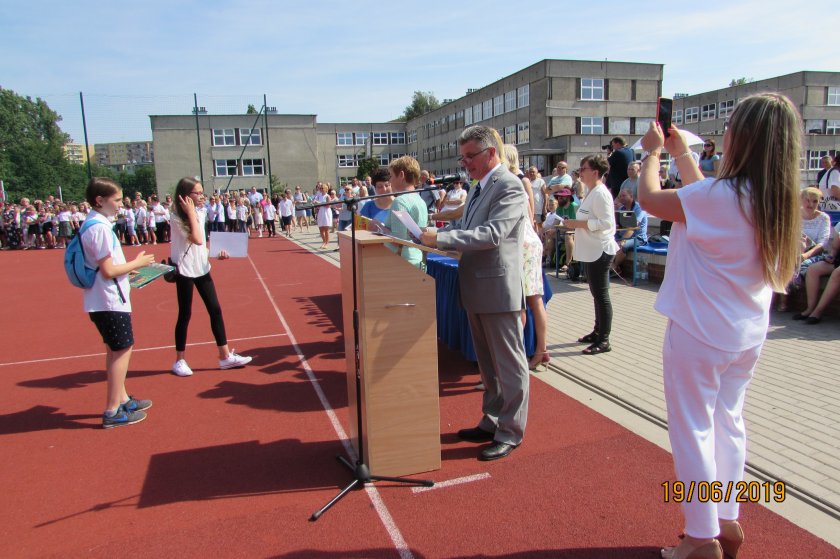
x=474 y=198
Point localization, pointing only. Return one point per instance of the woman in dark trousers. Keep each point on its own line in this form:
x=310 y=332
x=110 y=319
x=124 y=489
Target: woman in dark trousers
x=189 y=252
x=595 y=246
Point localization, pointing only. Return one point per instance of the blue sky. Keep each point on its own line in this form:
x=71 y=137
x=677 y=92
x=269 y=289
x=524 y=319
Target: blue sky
x=360 y=61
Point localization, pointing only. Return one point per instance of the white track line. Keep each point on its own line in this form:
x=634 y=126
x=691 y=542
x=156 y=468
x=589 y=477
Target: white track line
x=373 y=493
x=135 y=351
x=451 y=482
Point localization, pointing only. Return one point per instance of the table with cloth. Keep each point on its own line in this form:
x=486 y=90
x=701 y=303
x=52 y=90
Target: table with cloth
x=452 y=324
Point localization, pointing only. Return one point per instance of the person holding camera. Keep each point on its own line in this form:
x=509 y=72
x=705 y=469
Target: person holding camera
x=190 y=255
x=735 y=240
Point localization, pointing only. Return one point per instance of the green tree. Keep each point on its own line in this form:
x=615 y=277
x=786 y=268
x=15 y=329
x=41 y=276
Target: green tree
x=32 y=161
x=142 y=180
x=740 y=81
x=421 y=103
x=252 y=110
x=367 y=165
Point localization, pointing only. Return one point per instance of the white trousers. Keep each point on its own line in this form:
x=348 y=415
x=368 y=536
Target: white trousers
x=704 y=392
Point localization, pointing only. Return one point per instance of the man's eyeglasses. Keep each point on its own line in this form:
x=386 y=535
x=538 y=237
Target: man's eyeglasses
x=468 y=158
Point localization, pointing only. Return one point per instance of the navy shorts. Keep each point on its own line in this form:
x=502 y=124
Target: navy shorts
x=115 y=328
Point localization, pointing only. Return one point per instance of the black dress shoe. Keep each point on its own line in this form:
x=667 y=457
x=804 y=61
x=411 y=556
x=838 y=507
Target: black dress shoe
x=475 y=435
x=496 y=451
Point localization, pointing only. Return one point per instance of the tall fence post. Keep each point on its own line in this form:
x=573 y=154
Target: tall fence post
x=198 y=137
x=267 y=144
x=84 y=127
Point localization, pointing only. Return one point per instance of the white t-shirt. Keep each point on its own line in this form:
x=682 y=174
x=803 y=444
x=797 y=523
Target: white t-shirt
x=269 y=212
x=598 y=237
x=714 y=288
x=195 y=262
x=286 y=206
x=99 y=241
x=830 y=178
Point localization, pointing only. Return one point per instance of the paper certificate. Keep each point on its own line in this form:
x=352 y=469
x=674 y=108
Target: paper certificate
x=235 y=244
x=406 y=219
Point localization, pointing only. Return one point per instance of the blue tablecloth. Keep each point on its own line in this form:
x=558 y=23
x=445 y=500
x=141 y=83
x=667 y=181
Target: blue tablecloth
x=452 y=324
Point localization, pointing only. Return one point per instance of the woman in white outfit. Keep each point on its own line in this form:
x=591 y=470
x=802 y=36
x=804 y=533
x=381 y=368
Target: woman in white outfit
x=735 y=239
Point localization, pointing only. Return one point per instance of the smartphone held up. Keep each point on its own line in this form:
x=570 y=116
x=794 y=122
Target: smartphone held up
x=664 y=109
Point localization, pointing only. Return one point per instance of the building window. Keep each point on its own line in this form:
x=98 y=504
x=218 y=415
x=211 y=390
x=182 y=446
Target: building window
x=523 y=134
x=592 y=89
x=510 y=101
x=250 y=137
x=832 y=127
x=619 y=125
x=814 y=158
x=468 y=117
x=498 y=105
x=477 y=113
x=591 y=125
x=397 y=137
x=708 y=112
x=725 y=108
x=814 y=126
x=524 y=95
x=225 y=167
x=384 y=159
x=223 y=137
x=412 y=136
x=678 y=116
x=510 y=134
x=380 y=138
x=692 y=114
x=488 y=108
x=395 y=156
x=362 y=138
x=642 y=125
x=347 y=160
x=344 y=139
x=253 y=167
x=834 y=95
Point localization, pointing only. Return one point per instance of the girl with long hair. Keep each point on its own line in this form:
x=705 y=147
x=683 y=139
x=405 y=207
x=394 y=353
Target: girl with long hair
x=190 y=254
x=709 y=159
x=734 y=241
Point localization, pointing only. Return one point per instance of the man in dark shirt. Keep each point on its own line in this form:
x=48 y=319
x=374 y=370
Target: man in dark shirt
x=619 y=159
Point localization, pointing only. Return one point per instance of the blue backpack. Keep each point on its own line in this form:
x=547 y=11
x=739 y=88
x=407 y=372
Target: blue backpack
x=77 y=271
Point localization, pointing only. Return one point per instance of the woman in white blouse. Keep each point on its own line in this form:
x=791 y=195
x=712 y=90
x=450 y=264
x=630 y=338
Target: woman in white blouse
x=596 y=247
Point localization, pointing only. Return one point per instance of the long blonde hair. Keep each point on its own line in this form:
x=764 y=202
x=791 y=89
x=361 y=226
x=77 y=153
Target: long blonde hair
x=762 y=160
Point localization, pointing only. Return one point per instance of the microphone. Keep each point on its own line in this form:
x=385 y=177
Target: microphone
x=460 y=176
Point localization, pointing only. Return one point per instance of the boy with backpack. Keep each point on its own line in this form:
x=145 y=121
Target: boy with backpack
x=95 y=262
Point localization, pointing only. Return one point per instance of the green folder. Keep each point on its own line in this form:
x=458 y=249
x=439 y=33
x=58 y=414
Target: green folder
x=139 y=279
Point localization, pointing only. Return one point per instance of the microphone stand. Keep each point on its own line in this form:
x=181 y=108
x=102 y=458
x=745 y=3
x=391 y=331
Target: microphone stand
x=361 y=472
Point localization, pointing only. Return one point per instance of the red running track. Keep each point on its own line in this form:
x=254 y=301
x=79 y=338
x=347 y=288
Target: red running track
x=232 y=463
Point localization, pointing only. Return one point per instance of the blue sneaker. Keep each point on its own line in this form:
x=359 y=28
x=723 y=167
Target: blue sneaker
x=122 y=417
x=136 y=405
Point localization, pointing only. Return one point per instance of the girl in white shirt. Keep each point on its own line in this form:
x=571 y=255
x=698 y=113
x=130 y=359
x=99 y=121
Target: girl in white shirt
x=596 y=247
x=735 y=240
x=107 y=301
x=189 y=253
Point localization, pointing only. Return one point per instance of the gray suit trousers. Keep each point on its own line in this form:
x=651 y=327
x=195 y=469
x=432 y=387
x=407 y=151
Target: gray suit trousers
x=504 y=371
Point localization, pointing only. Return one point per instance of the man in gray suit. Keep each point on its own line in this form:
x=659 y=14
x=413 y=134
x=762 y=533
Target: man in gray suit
x=490 y=276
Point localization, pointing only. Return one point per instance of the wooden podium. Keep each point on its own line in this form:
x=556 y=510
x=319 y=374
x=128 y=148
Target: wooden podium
x=397 y=355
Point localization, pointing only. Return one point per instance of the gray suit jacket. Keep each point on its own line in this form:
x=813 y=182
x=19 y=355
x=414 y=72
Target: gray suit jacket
x=490 y=243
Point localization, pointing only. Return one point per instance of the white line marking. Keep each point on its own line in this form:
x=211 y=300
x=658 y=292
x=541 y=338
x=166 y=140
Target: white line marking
x=451 y=482
x=136 y=350
x=384 y=515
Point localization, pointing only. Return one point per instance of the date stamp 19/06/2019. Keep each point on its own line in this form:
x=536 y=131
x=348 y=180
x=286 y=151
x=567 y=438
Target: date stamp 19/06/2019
x=717 y=492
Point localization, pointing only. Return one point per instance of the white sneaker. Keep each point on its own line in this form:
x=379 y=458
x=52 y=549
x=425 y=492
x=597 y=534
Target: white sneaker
x=181 y=368
x=233 y=361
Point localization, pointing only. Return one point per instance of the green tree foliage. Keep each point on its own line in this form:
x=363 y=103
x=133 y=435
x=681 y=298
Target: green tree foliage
x=421 y=103
x=367 y=166
x=32 y=161
x=252 y=110
x=739 y=81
